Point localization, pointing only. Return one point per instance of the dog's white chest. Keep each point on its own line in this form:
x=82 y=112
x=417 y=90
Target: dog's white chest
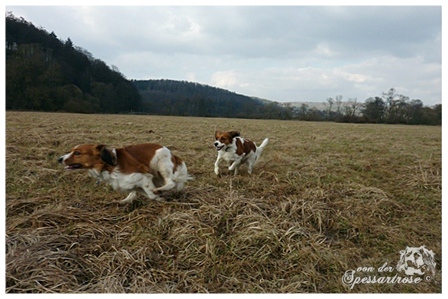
x=227 y=156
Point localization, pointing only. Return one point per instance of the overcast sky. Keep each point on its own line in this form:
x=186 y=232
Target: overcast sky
x=280 y=53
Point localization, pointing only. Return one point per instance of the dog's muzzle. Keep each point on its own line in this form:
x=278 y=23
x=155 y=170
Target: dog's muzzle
x=71 y=166
x=218 y=147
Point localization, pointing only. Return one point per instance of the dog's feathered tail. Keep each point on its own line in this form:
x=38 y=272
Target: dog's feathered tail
x=181 y=176
x=261 y=147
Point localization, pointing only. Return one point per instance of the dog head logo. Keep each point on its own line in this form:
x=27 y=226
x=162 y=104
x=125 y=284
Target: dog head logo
x=417 y=261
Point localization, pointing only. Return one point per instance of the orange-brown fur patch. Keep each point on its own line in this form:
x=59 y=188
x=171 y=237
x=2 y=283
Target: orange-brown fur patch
x=141 y=153
x=88 y=155
x=244 y=148
x=130 y=164
x=176 y=161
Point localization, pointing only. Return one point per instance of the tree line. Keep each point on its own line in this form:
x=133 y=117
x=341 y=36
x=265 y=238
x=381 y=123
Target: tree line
x=389 y=108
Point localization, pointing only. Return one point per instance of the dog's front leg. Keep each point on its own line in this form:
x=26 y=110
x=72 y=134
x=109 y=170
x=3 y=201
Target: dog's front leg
x=217 y=165
x=236 y=170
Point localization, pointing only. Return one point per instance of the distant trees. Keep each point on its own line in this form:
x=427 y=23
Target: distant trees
x=351 y=108
x=391 y=108
x=374 y=110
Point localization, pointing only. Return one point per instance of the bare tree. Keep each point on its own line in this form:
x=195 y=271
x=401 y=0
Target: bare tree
x=329 y=106
x=352 y=107
x=338 y=102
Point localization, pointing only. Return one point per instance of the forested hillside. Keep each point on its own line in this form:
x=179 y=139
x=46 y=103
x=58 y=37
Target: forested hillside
x=44 y=73
x=181 y=98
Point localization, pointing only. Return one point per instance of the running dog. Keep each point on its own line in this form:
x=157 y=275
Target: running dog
x=236 y=150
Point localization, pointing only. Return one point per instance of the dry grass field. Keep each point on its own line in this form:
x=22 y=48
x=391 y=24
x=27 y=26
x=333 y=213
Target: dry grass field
x=324 y=198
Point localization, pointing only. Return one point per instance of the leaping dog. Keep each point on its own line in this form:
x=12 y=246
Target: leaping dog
x=237 y=150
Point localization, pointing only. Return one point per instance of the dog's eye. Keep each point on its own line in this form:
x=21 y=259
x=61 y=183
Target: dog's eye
x=76 y=153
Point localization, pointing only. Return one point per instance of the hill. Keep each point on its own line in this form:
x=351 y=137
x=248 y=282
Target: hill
x=181 y=98
x=44 y=73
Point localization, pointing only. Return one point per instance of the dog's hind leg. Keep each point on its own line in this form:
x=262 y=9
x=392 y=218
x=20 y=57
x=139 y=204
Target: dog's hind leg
x=235 y=165
x=166 y=172
x=249 y=168
x=250 y=163
x=169 y=184
x=133 y=195
x=149 y=190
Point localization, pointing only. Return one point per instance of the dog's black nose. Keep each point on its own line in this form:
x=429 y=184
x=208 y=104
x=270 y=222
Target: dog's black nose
x=216 y=143
x=60 y=159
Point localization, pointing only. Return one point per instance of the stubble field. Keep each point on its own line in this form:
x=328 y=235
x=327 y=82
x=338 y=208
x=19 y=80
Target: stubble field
x=325 y=198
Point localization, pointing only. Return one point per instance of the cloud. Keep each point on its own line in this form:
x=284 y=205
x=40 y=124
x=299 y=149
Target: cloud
x=228 y=80
x=191 y=77
x=224 y=79
x=360 y=80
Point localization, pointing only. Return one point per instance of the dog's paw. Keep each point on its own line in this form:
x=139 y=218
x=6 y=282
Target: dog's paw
x=159 y=198
x=124 y=201
x=133 y=195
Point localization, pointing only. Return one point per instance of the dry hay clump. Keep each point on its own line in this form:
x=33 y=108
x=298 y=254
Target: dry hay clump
x=44 y=264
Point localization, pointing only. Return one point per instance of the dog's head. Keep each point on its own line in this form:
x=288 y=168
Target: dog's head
x=224 y=139
x=416 y=260
x=89 y=156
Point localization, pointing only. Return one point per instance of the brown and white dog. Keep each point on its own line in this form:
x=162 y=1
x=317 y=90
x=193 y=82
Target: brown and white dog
x=237 y=150
x=133 y=168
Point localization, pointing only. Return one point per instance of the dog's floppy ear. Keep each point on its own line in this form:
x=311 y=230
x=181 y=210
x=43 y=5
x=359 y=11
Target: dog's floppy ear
x=108 y=156
x=234 y=134
x=216 y=133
